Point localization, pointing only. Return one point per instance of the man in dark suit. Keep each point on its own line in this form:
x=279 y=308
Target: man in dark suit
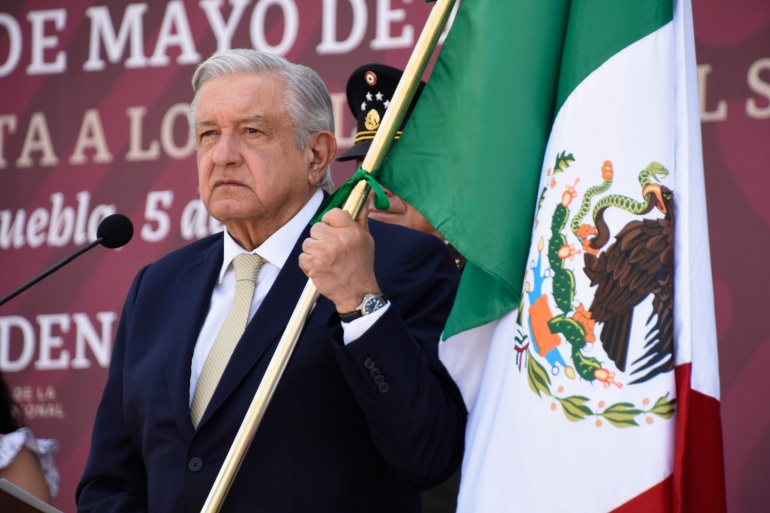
x=365 y=415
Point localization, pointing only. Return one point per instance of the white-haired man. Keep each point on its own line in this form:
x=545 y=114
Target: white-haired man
x=365 y=415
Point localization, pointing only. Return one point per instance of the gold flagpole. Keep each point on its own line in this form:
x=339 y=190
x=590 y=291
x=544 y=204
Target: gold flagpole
x=402 y=97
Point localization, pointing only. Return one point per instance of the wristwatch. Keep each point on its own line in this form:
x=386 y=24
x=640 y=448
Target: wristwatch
x=370 y=304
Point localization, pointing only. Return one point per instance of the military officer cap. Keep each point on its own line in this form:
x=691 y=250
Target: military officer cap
x=370 y=90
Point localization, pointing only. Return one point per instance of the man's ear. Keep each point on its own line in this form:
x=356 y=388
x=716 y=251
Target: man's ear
x=322 y=146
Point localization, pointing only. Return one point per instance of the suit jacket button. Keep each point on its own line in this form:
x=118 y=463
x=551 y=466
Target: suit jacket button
x=369 y=363
x=374 y=372
x=195 y=464
x=379 y=380
x=384 y=387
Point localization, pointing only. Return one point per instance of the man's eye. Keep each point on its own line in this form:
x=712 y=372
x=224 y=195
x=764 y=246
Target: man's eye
x=252 y=131
x=206 y=134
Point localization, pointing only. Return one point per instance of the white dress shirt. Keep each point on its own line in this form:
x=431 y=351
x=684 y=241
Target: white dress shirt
x=275 y=250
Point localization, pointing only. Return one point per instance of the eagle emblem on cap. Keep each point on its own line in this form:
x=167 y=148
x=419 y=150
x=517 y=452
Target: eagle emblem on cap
x=372 y=121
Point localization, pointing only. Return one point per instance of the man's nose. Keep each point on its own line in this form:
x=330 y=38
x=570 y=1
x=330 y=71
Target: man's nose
x=226 y=151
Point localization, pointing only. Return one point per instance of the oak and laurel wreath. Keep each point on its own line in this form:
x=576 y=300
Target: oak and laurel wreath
x=575 y=407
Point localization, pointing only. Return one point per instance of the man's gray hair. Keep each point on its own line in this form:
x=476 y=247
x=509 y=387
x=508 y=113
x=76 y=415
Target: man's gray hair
x=308 y=102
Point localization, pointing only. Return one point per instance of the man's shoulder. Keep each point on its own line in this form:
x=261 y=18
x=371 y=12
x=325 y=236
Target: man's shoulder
x=397 y=238
x=383 y=230
x=190 y=252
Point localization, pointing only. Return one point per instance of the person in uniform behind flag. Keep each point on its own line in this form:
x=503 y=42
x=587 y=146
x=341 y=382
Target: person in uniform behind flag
x=365 y=415
x=369 y=92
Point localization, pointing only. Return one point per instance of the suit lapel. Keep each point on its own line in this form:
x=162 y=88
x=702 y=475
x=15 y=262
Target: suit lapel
x=264 y=330
x=193 y=291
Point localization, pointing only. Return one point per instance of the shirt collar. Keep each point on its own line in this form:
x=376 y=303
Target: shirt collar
x=278 y=246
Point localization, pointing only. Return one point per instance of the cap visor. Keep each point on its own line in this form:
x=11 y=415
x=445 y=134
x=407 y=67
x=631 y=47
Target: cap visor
x=358 y=150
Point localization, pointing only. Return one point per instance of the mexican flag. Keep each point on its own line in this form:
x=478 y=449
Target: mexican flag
x=557 y=147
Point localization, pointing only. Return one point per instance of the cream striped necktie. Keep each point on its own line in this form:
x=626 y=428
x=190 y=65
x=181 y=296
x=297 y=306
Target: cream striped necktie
x=246 y=269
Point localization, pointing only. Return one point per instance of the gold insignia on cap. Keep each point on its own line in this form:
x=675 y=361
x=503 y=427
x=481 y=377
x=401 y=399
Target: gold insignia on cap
x=371 y=78
x=372 y=121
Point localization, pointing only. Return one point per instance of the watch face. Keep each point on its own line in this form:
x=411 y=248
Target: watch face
x=373 y=304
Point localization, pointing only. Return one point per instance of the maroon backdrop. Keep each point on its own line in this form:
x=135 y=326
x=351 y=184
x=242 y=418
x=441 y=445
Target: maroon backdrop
x=92 y=121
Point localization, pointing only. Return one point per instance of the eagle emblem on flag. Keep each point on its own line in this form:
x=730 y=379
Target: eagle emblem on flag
x=583 y=320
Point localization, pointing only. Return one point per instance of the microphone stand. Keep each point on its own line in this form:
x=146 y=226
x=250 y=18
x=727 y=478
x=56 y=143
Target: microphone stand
x=50 y=270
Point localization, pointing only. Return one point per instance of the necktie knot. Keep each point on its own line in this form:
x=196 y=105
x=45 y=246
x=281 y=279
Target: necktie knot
x=247 y=266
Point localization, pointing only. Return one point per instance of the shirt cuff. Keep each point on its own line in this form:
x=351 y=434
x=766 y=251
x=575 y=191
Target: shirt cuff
x=354 y=329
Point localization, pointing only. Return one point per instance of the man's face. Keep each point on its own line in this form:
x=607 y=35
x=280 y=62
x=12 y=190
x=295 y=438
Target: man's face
x=250 y=172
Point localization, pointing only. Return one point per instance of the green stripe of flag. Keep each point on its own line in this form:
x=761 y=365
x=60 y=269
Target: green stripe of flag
x=471 y=155
x=598 y=29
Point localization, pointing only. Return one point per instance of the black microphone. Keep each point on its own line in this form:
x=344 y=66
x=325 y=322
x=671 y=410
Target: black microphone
x=113 y=232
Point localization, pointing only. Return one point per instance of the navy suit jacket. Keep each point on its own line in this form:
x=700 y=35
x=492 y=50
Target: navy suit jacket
x=362 y=427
